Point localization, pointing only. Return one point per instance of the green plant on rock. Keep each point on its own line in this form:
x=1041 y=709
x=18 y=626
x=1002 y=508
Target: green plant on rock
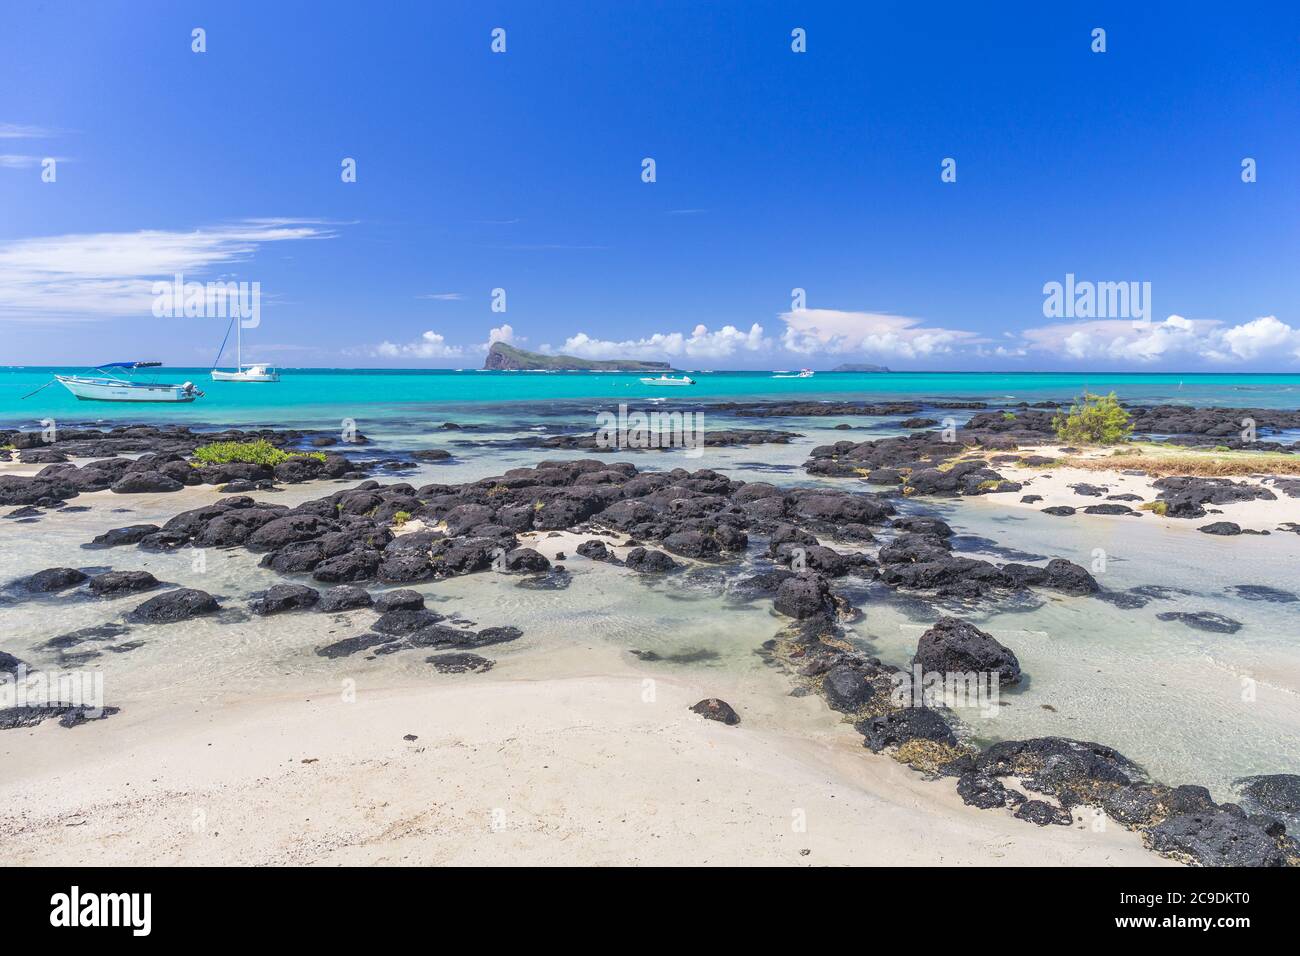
x=260 y=452
x=1094 y=420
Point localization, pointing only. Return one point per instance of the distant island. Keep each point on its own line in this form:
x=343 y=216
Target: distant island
x=854 y=367
x=503 y=357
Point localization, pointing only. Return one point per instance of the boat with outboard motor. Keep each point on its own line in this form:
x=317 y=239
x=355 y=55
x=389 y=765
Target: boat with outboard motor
x=111 y=387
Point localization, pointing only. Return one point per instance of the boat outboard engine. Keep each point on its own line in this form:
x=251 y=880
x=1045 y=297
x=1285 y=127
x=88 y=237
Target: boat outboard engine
x=188 y=387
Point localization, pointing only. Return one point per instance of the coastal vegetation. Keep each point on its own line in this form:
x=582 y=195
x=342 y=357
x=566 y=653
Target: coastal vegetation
x=1094 y=420
x=259 y=452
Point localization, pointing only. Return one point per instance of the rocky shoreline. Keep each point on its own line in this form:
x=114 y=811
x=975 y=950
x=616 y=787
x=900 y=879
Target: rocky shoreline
x=660 y=523
x=347 y=540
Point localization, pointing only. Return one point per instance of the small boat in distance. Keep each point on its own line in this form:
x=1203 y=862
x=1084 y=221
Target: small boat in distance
x=803 y=373
x=668 y=380
x=258 y=372
x=113 y=388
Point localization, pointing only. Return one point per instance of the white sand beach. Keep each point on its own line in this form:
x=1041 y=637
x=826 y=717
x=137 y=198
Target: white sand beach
x=505 y=769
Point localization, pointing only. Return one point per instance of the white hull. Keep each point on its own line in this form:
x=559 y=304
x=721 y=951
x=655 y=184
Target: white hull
x=113 y=390
x=667 y=381
x=247 y=375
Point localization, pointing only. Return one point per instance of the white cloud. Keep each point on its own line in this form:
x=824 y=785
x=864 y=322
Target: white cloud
x=1123 y=341
x=99 y=275
x=443 y=296
x=1266 y=335
x=18 y=131
x=434 y=345
x=504 y=333
x=701 y=343
x=873 y=334
x=427 y=346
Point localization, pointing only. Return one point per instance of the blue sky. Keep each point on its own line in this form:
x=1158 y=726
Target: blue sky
x=775 y=170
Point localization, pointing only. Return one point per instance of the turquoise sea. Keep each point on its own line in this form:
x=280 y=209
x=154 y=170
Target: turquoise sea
x=322 y=397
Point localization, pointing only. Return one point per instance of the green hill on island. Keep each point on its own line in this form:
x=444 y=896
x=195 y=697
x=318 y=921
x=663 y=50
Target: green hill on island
x=506 y=358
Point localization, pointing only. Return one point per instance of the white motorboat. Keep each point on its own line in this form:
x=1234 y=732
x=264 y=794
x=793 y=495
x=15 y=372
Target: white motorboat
x=112 y=388
x=668 y=380
x=258 y=372
x=803 y=373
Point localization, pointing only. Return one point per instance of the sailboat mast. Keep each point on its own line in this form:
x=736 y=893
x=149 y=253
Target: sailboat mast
x=239 y=344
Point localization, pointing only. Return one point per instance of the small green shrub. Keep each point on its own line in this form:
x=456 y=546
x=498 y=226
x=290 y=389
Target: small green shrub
x=1156 y=507
x=401 y=517
x=1094 y=420
x=1008 y=416
x=260 y=452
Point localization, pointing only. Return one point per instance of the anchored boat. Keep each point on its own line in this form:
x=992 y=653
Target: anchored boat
x=668 y=380
x=242 y=373
x=110 y=387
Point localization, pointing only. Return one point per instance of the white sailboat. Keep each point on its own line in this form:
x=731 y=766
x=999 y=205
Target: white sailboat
x=242 y=373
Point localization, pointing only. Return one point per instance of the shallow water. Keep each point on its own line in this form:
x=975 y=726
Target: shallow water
x=1191 y=706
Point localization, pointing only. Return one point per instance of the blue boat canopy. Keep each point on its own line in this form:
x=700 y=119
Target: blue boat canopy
x=130 y=365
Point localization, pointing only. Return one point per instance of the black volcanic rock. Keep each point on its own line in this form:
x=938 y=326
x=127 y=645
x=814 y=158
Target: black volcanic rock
x=459 y=662
x=116 y=537
x=648 y=561
x=954 y=647
x=711 y=708
x=52 y=579
x=146 y=482
x=1220 y=528
x=804 y=595
x=899 y=726
x=403 y=599
x=847 y=688
x=406 y=621
x=112 y=583
x=354 y=645
x=1220 y=838
x=1066 y=576
x=1273 y=793
x=344 y=597
x=174 y=606
x=1043 y=814
x=284 y=597
x=1203 y=621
